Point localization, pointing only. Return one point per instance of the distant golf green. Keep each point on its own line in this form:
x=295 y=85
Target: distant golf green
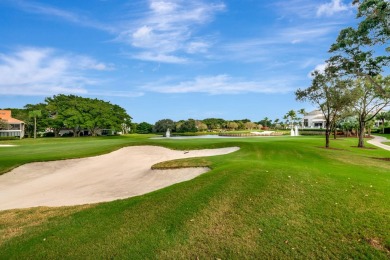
x=277 y=197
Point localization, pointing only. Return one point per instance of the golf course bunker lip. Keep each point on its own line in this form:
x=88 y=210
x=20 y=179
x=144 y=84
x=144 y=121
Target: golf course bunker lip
x=7 y=145
x=117 y=175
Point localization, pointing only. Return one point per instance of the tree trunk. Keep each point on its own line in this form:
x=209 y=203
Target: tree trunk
x=361 y=131
x=35 y=127
x=383 y=126
x=75 y=132
x=56 y=132
x=327 y=134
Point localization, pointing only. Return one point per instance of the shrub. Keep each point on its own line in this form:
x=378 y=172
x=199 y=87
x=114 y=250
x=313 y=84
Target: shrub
x=48 y=134
x=8 y=138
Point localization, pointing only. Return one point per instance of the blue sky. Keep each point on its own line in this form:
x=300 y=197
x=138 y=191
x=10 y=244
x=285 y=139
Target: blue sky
x=177 y=59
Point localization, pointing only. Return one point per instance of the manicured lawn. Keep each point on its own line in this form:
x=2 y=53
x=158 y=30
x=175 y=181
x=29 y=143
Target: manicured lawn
x=278 y=197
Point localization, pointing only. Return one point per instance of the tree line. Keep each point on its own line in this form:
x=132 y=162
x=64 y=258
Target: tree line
x=193 y=125
x=354 y=82
x=219 y=124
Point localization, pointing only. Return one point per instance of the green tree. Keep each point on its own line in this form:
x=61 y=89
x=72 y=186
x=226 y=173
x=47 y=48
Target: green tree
x=382 y=116
x=361 y=53
x=144 y=128
x=250 y=125
x=291 y=117
x=369 y=101
x=214 y=123
x=35 y=114
x=232 y=125
x=276 y=122
x=356 y=50
x=330 y=94
x=200 y=126
x=30 y=122
x=120 y=119
x=266 y=122
x=188 y=126
x=56 y=106
x=3 y=124
x=375 y=20
x=79 y=113
x=302 y=112
x=348 y=124
x=162 y=125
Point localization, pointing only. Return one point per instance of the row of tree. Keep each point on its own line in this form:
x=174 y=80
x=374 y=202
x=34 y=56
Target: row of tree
x=192 y=125
x=354 y=80
x=74 y=113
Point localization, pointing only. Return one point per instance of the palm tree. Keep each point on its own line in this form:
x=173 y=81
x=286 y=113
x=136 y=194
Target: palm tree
x=34 y=114
x=292 y=116
x=382 y=116
x=302 y=112
x=265 y=121
x=276 y=121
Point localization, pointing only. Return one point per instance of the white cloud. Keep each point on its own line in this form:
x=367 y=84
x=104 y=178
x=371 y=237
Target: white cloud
x=159 y=57
x=88 y=63
x=309 y=9
x=45 y=71
x=301 y=8
x=320 y=68
x=222 y=84
x=198 y=47
x=130 y=94
x=38 y=8
x=329 y=9
x=279 y=44
x=168 y=28
x=163 y=7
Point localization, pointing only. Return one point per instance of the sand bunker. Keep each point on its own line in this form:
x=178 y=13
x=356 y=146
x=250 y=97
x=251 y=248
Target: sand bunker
x=120 y=174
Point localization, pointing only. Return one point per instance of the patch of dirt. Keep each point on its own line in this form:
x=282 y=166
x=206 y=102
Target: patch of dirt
x=382 y=159
x=376 y=243
x=367 y=148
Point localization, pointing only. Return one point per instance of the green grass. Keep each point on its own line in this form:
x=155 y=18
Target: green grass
x=278 y=197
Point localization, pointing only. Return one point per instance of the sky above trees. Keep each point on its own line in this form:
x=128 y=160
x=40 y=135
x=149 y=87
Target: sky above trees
x=173 y=59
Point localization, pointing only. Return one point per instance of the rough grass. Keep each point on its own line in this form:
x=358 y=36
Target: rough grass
x=275 y=198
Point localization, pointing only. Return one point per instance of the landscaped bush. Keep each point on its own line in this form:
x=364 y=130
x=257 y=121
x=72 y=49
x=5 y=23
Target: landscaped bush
x=48 y=134
x=193 y=133
x=7 y=138
x=314 y=131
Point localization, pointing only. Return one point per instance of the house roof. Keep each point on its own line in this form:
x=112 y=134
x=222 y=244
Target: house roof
x=5 y=115
x=314 y=112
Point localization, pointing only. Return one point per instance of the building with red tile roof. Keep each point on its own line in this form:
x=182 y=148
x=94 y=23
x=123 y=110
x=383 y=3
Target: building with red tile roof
x=12 y=126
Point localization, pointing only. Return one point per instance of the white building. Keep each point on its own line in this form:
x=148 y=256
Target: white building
x=13 y=127
x=314 y=119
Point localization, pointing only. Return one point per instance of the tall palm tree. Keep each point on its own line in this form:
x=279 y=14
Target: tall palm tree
x=265 y=121
x=292 y=116
x=302 y=112
x=34 y=114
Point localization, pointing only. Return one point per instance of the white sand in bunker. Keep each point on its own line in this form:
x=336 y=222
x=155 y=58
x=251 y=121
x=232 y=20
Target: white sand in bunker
x=120 y=174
